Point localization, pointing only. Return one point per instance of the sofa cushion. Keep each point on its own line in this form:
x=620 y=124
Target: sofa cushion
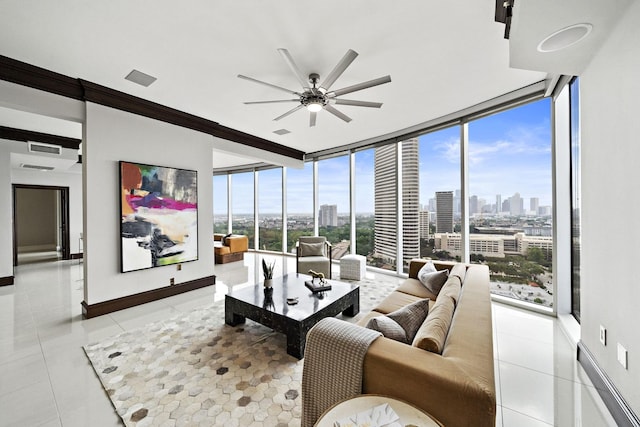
x=452 y=288
x=401 y=325
x=311 y=249
x=388 y=327
x=415 y=288
x=433 y=333
x=238 y=243
x=394 y=301
x=221 y=250
x=431 y=278
x=459 y=270
x=224 y=239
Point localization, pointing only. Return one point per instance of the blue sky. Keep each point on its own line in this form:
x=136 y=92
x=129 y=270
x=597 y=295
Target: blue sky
x=509 y=152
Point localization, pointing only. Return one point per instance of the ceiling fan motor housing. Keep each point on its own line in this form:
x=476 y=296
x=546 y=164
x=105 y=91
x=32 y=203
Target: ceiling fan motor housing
x=313 y=98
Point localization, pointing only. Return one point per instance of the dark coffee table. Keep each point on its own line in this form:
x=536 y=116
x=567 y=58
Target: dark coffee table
x=293 y=320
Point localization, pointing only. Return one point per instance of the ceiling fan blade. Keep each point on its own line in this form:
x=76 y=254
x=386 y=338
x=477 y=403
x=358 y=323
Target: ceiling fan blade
x=346 y=60
x=360 y=86
x=272 y=102
x=312 y=119
x=293 y=110
x=291 y=63
x=337 y=113
x=356 y=103
x=251 y=79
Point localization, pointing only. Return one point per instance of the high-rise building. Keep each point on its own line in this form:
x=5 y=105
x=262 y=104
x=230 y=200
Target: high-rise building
x=432 y=204
x=328 y=216
x=473 y=205
x=534 y=203
x=386 y=188
x=444 y=211
x=410 y=201
x=386 y=227
x=424 y=223
x=457 y=206
x=498 y=203
x=516 y=205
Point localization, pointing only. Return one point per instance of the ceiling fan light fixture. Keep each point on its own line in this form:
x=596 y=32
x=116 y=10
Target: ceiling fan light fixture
x=315 y=106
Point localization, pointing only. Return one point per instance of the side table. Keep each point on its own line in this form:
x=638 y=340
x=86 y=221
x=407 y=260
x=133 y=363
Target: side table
x=408 y=413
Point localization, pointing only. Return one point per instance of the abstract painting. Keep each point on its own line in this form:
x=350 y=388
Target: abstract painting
x=159 y=212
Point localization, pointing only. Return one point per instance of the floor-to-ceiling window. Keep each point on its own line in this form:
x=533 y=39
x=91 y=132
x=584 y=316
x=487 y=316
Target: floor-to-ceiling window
x=510 y=201
x=270 y=209
x=508 y=198
x=242 y=208
x=300 y=215
x=364 y=187
x=334 y=207
x=574 y=100
x=439 y=164
x=220 y=204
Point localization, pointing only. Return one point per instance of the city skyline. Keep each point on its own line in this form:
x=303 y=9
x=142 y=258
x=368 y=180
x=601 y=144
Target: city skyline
x=509 y=152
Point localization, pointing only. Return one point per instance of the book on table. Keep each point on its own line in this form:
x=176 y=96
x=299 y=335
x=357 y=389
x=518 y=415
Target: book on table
x=317 y=287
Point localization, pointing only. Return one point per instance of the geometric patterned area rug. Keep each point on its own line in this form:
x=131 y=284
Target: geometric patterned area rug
x=194 y=370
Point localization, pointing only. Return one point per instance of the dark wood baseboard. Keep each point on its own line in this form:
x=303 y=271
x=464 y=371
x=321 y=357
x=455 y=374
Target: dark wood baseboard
x=6 y=281
x=79 y=255
x=619 y=408
x=105 y=307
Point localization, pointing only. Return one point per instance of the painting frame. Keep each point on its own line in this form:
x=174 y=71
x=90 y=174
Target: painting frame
x=158 y=216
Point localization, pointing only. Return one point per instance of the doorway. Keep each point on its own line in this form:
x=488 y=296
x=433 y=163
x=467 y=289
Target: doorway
x=40 y=223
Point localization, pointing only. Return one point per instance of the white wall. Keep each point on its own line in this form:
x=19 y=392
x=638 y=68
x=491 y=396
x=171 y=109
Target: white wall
x=610 y=150
x=58 y=179
x=110 y=136
x=6 y=220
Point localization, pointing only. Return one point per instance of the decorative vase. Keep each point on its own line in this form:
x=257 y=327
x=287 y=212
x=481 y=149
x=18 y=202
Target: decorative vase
x=268 y=283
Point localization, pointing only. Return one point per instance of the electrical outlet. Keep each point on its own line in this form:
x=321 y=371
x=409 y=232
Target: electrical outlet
x=603 y=335
x=172 y=281
x=622 y=356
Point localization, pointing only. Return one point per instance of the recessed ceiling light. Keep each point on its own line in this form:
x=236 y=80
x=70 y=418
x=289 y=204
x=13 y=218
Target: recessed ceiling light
x=140 y=78
x=281 y=132
x=564 y=38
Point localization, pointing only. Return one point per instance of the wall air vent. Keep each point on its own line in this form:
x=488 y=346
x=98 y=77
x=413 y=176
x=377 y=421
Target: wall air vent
x=36 y=167
x=40 y=147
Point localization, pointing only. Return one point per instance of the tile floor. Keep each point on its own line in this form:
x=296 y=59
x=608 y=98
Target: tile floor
x=46 y=380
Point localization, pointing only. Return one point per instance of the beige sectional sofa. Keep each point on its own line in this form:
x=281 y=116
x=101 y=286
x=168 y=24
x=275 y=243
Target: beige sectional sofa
x=453 y=379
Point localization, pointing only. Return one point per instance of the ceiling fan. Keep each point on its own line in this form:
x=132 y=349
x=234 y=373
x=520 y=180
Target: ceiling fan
x=316 y=96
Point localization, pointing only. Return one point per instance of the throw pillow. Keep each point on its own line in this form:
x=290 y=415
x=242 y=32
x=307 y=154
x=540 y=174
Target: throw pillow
x=402 y=324
x=312 y=249
x=388 y=327
x=431 y=278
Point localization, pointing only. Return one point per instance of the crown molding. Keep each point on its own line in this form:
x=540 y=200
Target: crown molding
x=22 y=135
x=29 y=75
x=24 y=74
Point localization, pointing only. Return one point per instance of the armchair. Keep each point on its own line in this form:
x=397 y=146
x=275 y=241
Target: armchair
x=313 y=253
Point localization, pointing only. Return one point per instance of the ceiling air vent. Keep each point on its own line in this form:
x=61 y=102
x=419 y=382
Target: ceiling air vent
x=140 y=78
x=40 y=147
x=36 y=167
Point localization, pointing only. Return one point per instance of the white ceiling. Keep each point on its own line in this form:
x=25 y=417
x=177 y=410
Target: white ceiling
x=442 y=57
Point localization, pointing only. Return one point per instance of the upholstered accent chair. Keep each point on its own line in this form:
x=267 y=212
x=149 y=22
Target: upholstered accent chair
x=313 y=253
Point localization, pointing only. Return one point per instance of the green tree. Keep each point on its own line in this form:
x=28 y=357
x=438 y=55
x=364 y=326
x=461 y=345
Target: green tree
x=535 y=255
